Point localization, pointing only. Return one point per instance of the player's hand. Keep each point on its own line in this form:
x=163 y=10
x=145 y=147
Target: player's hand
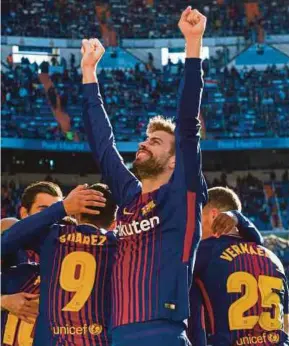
x=80 y=199
x=224 y=223
x=23 y=305
x=192 y=24
x=92 y=50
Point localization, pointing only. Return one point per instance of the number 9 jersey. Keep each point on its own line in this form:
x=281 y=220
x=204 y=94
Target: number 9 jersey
x=75 y=291
x=245 y=293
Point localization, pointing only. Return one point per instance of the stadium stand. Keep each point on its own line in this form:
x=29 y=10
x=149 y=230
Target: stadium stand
x=131 y=19
x=235 y=104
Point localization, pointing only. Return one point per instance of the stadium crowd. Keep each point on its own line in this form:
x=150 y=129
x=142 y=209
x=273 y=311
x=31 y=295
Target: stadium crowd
x=130 y=19
x=246 y=103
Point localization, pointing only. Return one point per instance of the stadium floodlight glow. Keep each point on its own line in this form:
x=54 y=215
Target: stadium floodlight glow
x=177 y=54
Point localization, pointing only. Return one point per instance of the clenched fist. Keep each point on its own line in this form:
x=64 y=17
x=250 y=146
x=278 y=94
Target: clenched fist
x=192 y=24
x=92 y=50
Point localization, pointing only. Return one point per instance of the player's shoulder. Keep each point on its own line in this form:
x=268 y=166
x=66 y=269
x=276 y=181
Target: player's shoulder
x=273 y=258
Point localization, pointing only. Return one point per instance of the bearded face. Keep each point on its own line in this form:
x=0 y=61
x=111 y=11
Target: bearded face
x=147 y=166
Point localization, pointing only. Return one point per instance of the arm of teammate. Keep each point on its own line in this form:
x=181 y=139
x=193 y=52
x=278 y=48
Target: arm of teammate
x=226 y=222
x=121 y=181
x=196 y=322
x=31 y=231
x=188 y=151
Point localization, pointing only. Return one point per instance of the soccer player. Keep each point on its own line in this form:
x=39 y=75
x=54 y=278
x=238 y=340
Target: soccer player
x=159 y=217
x=243 y=284
x=76 y=266
x=20 y=271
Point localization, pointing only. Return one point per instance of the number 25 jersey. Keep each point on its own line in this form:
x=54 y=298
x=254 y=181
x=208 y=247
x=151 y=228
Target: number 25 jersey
x=245 y=292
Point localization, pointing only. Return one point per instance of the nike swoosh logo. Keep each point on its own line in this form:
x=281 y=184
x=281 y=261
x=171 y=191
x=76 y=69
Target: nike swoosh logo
x=125 y=212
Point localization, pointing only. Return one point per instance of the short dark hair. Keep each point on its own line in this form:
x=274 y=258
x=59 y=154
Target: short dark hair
x=107 y=213
x=224 y=199
x=32 y=190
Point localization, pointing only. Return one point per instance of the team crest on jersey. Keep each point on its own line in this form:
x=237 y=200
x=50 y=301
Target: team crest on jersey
x=273 y=338
x=147 y=208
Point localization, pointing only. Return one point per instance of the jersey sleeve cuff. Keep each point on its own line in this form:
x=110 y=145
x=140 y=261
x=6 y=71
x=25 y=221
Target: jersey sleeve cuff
x=193 y=64
x=90 y=89
x=193 y=71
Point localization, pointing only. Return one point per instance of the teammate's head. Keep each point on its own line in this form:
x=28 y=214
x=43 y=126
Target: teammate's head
x=7 y=223
x=38 y=196
x=156 y=154
x=220 y=199
x=107 y=213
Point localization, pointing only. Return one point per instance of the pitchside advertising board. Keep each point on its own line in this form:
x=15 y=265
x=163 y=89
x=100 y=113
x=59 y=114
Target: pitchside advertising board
x=131 y=147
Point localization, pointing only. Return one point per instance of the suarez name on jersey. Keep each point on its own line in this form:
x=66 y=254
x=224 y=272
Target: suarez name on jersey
x=21 y=278
x=76 y=266
x=245 y=292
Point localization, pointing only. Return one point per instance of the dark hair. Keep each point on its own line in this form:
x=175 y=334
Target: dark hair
x=107 y=214
x=224 y=199
x=32 y=190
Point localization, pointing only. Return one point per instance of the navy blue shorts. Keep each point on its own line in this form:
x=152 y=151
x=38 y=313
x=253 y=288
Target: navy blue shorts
x=151 y=333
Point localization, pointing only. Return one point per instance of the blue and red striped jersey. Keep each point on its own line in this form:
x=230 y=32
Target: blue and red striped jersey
x=76 y=267
x=245 y=292
x=196 y=331
x=21 y=278
x=159 y=231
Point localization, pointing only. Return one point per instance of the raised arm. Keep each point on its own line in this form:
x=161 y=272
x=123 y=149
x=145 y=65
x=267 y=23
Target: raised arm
x=28 y=232
x=121 y=181
x=188 y=152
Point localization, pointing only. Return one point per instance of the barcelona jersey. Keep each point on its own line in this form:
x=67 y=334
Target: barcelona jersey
x=245 y=292
x=21 y=278
x=159 y=231
x=76 y=267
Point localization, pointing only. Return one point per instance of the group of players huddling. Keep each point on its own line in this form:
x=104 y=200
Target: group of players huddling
x=130 y=269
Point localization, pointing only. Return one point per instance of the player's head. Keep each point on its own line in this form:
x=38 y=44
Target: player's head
x=38 y=196
x=156 y=155
x=107 y=213
x=7 y=223
x=220 y=199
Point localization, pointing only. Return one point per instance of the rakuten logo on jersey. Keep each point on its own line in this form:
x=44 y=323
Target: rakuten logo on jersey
x=137 y=227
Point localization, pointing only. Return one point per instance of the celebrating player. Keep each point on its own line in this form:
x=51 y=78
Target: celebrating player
x=243 y=284
x=159 y=217
x=76 y=266
x=20 y=271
